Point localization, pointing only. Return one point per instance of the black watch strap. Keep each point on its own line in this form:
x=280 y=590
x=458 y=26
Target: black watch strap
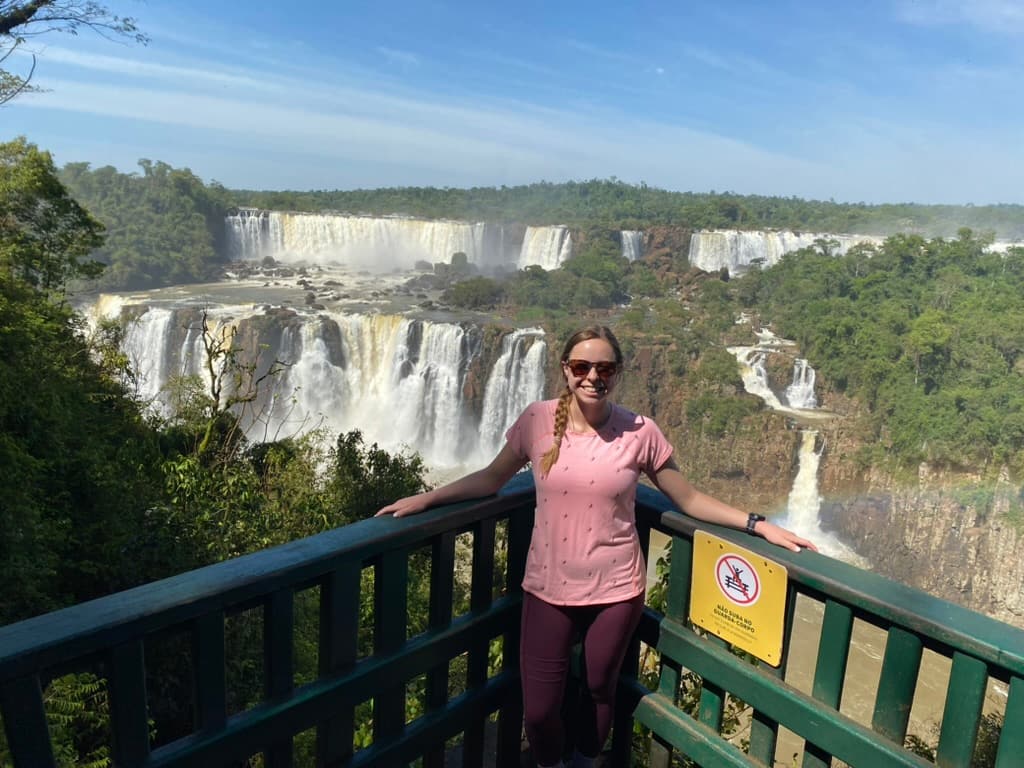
x=753 y=519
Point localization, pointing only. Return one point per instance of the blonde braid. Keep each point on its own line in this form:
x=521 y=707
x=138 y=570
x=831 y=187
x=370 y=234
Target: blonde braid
x=547 y=461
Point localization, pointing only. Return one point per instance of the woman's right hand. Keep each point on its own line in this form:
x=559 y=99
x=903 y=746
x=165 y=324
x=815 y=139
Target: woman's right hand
x=410 y=505
x=475 y=485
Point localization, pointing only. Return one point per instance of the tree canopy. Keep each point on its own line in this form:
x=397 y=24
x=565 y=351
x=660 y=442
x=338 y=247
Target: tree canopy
x=928 y=333
x=45 y=235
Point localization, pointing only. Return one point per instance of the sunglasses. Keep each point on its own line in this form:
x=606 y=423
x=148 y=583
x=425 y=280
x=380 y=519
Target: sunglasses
x=581 y=368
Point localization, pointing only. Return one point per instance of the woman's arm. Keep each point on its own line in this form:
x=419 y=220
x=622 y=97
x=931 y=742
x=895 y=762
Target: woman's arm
x=671 y=482
x=483 y=482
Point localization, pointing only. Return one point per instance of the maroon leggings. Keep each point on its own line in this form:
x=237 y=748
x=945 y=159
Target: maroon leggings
x=548 y=634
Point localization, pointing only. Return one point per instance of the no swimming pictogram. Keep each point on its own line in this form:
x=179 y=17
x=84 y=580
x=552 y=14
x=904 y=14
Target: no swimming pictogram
x=737 y=579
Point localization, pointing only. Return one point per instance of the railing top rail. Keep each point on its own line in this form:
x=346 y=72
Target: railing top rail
x=928 y=616
x=87 y=628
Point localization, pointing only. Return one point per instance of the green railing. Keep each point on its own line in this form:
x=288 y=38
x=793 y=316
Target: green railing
x=377 y=658
x=978 y=649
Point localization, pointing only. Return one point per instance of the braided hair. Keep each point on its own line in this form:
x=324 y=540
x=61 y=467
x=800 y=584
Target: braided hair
x=549 y=459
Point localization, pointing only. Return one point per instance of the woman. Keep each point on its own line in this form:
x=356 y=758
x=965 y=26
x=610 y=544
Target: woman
x=585 y=573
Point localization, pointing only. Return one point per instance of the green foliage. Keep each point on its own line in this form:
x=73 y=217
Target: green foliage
x=475 y=293
x=366 y=478
x=78 y=715
x=642 y=282
x=716 y=414
x=926 y=332
x=44 y=233
x=76 y=458
x=164 y=226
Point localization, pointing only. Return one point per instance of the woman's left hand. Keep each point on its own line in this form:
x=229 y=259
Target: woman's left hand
x=782 y=537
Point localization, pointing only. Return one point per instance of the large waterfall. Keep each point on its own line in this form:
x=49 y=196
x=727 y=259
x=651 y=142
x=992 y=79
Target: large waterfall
x=406 y=383
x=737 y=250
x=383 y=244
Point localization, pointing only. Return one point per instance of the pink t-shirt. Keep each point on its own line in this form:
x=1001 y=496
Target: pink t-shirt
x=585 y=549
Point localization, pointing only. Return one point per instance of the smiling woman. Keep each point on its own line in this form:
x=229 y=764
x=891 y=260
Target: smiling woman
x=585 y=573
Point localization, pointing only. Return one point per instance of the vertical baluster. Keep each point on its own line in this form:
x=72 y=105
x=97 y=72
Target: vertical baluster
x=339 y=628
x=209 y=687
x=1011 y=739
x=442 y=589
x=128 y=715
x=830 y=669
x=479 y=601
x=278 y=651
x=712 y=698
x=964 y=699
x=896 y=687
x=28 y=737
x=510 y=716
x=677 y=606
x=764 y=731
x=391 y=596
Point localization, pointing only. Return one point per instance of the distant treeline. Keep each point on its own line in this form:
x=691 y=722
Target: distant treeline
x=165 y=225
x=620 y=205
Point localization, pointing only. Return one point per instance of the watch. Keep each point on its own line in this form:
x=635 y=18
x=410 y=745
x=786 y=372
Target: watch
x=753 y=519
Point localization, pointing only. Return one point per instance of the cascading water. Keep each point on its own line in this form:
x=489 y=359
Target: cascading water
x=386 y=243
x=754 y=374
x=738 y=250
x=402 y=381
x=804 y=503
x=516 y=380
x=547 y=247
x=800 y=394
x=632 y=244
x=364 y=242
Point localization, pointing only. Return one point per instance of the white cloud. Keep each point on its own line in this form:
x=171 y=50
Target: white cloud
x=136 y=67
x=1002 y=16
x=398 y=57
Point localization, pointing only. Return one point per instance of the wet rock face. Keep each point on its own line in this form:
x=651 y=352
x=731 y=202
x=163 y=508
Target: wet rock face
x=960 y=545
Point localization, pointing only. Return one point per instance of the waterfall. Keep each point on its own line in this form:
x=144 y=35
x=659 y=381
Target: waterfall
x=738 y=250
x=363 y=242
x=547 y=247
x=403 y=382
x=755 y=376
x=632 y=244
x=800 y=394
x=804 y=503
x=516 y=380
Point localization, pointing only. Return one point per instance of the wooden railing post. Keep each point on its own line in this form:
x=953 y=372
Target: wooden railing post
x=28 y=737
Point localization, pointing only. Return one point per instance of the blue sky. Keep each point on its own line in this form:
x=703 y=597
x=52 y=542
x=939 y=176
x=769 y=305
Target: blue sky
x=875 y=101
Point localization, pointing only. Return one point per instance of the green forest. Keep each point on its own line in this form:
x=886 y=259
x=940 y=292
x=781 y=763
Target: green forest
x=99 y=494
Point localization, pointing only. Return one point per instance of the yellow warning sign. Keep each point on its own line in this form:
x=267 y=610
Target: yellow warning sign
x=738 y=595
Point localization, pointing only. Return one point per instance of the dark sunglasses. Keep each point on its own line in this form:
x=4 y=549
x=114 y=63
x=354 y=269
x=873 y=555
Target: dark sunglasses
x=582 y=367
